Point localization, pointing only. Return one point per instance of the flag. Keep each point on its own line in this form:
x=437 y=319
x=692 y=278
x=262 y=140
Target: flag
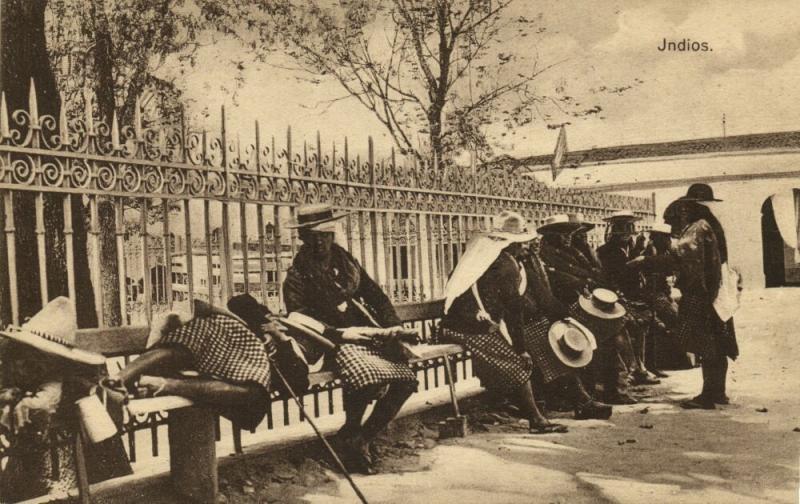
x=560 y=152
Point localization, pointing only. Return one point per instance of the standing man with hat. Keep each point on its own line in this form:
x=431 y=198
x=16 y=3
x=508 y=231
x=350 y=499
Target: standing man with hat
x=699 y=255
x=328 y=284
x=484 y=304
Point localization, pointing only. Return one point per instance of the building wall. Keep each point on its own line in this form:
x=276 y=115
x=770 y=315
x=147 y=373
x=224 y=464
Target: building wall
x=739 y=213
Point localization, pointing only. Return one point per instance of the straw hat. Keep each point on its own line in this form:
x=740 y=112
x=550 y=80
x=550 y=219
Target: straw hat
x=52 y=331
x=579 y=219
x=603 y=304
x=315 y=217
x=622 y=215
x=572 y=342
x=559 y=223
x=512 y=227
x=661 y=227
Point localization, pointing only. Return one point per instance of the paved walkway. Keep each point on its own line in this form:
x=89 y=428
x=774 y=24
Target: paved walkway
x=653 y=452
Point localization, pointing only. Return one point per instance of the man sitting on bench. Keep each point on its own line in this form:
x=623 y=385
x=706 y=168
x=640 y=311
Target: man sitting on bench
x=230 y=360
x=328 y=284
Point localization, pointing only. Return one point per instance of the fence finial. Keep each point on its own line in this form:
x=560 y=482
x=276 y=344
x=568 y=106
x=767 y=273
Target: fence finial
x=115 y=132
x=4 y=129
x=63 y=125
x=87 y=110
x=33 y=104
x=137 y=118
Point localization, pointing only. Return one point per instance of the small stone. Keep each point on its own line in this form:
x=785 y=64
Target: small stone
x=222 y=499
x=796 y=429
x=646 y=426
x=630 y=440
x=620 y=443
x=762 y=410
x=429 y=444
x=644 y=411
x=248 y=489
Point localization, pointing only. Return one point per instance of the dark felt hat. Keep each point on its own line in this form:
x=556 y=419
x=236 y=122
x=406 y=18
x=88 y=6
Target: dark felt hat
x=700 y=192
x=248 y=309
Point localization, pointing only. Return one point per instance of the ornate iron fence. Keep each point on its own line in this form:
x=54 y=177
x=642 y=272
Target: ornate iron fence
x=167 y=185
x=189 y=214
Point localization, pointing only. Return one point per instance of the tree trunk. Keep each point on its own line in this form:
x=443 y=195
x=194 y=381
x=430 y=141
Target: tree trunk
x=105 y=92
x=24 y=57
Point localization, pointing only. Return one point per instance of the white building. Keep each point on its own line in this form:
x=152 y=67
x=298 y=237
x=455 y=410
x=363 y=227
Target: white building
x=745 y=171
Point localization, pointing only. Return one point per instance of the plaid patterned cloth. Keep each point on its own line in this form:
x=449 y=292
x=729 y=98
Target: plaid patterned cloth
x=701 y=331
x=537 y=344
x=494 y=361
x=223 y=348
x=362 y=367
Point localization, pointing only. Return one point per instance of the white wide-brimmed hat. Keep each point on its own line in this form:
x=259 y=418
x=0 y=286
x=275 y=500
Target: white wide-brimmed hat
x=661 y=227
x=579 y=219
x=512 y=227
x=559 y=223
x=315 y=217
x=603 y=304
x=52 y=331
x=572 y=342
x=622 y=215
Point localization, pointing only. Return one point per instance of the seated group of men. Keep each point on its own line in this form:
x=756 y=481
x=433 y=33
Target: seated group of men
x=531 y=307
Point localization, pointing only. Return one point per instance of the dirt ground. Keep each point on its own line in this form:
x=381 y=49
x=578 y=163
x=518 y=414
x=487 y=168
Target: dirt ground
x=650 y=452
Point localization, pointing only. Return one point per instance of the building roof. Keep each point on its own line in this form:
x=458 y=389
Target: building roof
x=758 y=141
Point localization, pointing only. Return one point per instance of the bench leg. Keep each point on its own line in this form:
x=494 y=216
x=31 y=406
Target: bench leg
x=192 y=453
x=81 y=474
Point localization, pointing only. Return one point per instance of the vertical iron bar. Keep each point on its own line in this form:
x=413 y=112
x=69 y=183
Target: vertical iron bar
x=11 y=250
x=41 y=247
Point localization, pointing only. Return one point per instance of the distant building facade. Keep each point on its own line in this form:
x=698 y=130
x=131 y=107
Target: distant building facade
x=747 y=171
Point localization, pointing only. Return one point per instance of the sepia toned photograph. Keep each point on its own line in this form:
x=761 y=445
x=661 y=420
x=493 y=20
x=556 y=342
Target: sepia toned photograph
x=399 y=251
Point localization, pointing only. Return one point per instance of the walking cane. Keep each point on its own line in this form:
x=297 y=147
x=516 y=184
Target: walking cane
x=322 y=438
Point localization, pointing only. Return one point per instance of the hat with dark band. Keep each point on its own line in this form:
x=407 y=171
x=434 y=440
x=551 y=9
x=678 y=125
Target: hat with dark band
x=603 y=304
x=315 y=217
x=579 y=219
x=572 y=342
x=52 y=331
x=622 y=215
x=559 y=223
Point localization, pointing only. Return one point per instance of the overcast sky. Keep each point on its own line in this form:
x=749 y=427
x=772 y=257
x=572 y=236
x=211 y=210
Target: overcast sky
x=752 y=75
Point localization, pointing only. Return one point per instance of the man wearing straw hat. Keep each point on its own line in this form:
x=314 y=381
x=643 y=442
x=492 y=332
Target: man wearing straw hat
x=615 y=254
x=560 y=346
x=327 y=284
x=42 y=374
x=485 y=301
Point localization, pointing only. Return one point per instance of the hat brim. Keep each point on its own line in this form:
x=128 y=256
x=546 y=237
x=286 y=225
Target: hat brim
x=294 y=224
x=699 y=200
x=44 y=345
x=625 y=218
x=299 y=329
x=579 y=361
x=559 y=227
x=513 y=237
x=587 y=306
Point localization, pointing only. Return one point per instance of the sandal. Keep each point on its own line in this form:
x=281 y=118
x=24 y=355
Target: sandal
x=548 y=428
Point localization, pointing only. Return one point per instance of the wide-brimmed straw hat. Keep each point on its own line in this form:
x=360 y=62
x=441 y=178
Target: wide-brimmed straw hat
x=572 y=342
x=52 y=331
x=700 y=192
x=579 y=219
x=512 y=227
x=661 y=227
x=603 y=304
x=622 y=215
x=559 y=223
x=315 y=217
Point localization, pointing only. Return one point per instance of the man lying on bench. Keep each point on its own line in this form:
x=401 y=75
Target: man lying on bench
x=230 y=364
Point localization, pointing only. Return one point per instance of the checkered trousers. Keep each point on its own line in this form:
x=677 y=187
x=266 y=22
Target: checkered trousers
x=223 y=348
x=494 y=361
x=537 y=344
x=362 y=367
x=702 y=332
